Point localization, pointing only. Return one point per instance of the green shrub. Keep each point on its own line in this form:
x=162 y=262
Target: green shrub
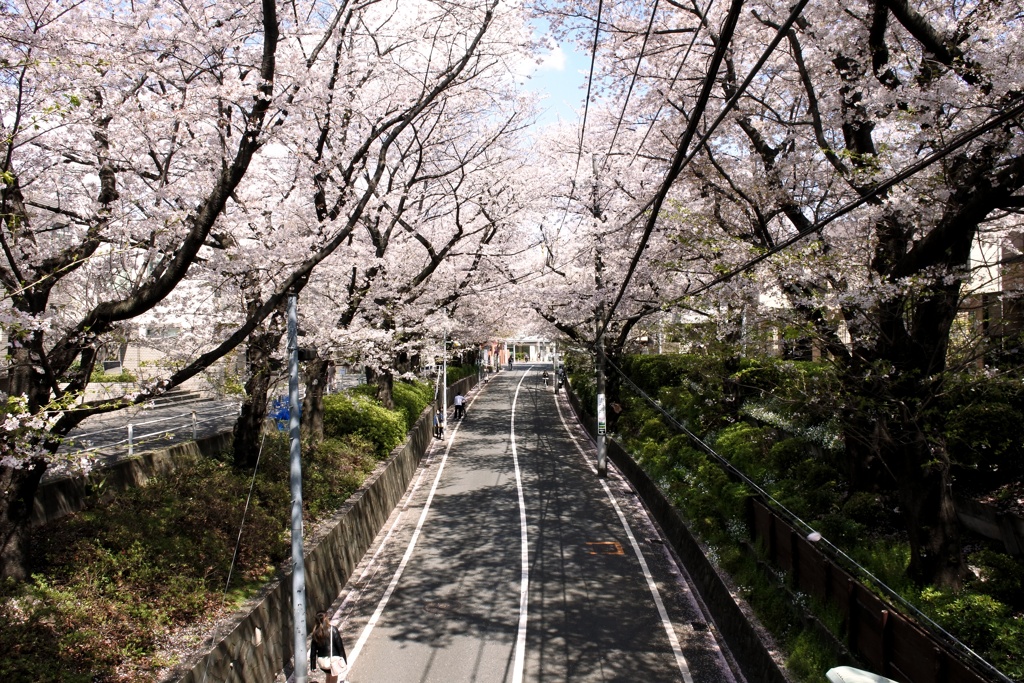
x=999 y=576
x=457 y=372
x=412 y=398
x=986 y=435
x=746 y=447
x=99 y=376
x=112 y=580
x=354 y=414
x=983 y=623
x=866 y=509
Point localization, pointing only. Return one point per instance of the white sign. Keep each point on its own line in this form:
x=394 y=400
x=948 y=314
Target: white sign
x=602 y=417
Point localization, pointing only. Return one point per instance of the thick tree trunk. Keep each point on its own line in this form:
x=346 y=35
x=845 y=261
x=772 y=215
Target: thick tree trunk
x=925 y=495
x=249 y=426
x=313 y=403
x=892 y=442
x=385 y=382
x=18 y=486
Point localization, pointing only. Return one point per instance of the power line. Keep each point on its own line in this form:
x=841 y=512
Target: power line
x=799 y=522
x=725 y=38
x=583 y=127
x=675 y=77
x=632 y=80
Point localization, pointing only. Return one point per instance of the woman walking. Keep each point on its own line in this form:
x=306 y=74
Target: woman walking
x=327 y=652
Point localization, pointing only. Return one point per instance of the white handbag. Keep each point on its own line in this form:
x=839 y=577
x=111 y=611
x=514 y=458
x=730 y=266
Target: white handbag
x=336 y=665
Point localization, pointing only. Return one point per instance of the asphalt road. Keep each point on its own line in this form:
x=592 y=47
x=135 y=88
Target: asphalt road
x=510 y=560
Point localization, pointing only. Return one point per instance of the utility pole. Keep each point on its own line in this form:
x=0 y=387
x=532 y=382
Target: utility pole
x=444 y=381
x=298 y=562
x=602 y=418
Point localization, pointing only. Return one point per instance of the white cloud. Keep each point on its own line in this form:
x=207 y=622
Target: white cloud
x=549 y=58
x=554 y=59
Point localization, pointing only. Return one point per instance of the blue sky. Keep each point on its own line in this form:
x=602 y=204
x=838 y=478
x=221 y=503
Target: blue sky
x=561 y=78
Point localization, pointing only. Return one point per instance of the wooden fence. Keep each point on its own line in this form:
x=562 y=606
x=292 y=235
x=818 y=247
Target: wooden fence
x=888 y=642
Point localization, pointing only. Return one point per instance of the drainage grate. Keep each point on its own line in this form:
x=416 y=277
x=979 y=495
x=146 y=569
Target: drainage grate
x=700 y=626
x=656 y=541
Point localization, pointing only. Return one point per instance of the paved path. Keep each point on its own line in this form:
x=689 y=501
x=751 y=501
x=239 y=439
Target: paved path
x=509 y=560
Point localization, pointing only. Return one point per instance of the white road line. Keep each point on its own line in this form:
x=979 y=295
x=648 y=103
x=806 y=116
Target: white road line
x=524 y=556
x=354 y=594
x=368 y=629
x=670 y=631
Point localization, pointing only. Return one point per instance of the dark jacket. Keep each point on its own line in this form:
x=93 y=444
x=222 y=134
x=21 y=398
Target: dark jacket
x=339 y=649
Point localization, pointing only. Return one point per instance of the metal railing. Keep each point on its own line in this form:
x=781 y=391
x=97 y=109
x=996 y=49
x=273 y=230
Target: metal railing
x=133 y=439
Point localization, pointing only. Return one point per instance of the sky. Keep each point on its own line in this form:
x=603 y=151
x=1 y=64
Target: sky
x=561 y=78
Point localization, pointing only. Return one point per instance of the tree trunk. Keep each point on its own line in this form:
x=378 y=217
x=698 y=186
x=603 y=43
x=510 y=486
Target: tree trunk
x=19 y=486
x=313 y=403
x=385 y=382
x=893 y=442
x=249 y=426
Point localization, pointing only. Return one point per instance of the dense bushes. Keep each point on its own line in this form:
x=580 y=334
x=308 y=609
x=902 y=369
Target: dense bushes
x=346 y=414
x=457 y=372
x=411 y=399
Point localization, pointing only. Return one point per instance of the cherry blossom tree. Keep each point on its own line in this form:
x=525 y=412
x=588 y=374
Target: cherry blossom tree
x=122 y=133
x=233 y=148
x=855 y=94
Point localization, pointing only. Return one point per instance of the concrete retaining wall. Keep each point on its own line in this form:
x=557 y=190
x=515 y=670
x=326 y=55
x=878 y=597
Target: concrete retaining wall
x=991 y=522
x=259 y=643
x=62 y=496
x=256 y=645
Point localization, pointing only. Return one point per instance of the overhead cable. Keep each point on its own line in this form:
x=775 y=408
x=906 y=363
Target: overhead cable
x=799 y=522
x=682 y=157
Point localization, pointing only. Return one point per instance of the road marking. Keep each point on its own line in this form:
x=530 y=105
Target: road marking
x=670 y=631
x=368 y=629
x=524 y=557
x=353 y=595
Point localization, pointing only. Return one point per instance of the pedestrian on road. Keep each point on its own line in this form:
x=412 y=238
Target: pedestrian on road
x=327 y=652
x=438 y=425
x=460 y=406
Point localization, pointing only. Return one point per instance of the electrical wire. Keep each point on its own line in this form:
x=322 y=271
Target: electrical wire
x=682 y=158
x=797 y=521
x=632 y=81
x=238 y=542
x=586 y=110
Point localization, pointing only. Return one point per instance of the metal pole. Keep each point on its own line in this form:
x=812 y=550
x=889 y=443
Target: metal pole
x=298 y=562
x=444 y=381
x=193 y=425
x=554 y=359
x=602 y=422
x=131 y=450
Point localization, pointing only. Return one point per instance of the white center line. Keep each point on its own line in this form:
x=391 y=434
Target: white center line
x=524 y=581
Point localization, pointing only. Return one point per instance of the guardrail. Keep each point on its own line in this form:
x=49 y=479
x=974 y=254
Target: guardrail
x=189 y=420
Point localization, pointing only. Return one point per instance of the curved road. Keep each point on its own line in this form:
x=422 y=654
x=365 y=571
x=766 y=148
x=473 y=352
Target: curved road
x=509 y=560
